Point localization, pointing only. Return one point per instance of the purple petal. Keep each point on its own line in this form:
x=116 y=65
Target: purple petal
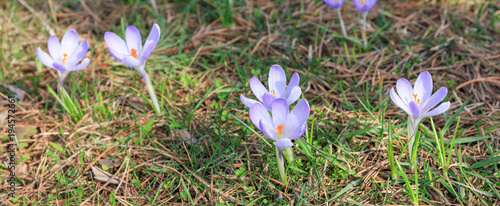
x=268 y=131
x=69 y=42
x=283 y=143
x=130 y=61
x=399 y=102
x=44 y=58
x=54 y=48
x=438 y=110
x=151 y=42
x=434 y=100
x=258 y=112
x=294 y=81
x=82 y=65
x=334 y=3
x=277 y=80
x=258 y=88
x=295 y=93
x=59 y=66
x=117 y=47
x=246 y=101
x=298 y=132
x=297 y=117
x=77 y=54
x=268 y=99
x=133 y=39
x=368 y=4
x=280 y=112
x=414 y=109
x=405 y=90
x=423 y=86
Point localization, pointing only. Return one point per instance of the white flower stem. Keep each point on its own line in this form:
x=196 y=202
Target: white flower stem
x=152 y=93
x=342 y=25
x=289 y=154
x=281 y=165
x=412 y=128
x=363 y=30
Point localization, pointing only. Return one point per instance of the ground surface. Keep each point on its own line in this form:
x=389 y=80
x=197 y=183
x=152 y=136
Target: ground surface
x=199 y=153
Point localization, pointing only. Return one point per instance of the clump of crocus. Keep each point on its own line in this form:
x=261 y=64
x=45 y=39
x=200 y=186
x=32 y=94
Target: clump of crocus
x=283 y=127
x=418 y=102
x=337 y=5
x=277 y=89
x=364 y=6
x=65 y=55
x=133 y=54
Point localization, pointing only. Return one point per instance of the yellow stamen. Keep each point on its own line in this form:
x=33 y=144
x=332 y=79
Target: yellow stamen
x=134 y=52
x=362 y=2
x=272 y=91
x=65 y=57
x=280 y=128
x=416 y=100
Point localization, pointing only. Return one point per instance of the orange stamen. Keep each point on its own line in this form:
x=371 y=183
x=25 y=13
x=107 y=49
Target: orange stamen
x=280 y=128
x=134 y=52
x=65 y=57
x=272 y=91
x=362 y=2
x=417 y=100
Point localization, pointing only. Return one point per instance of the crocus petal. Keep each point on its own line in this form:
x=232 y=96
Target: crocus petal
x=283 y=143
x=434 y=100
x=364 y=5
x=246 y=101
x=438 y=110
x=258 y=112
x=295 y=93
x=54 y=48
x=69 y=41
x=423 y=86
x=334 y=3
x=298 y=132
x=268 y=99
x=151 y=42
x=277 y=80
x=258 y=88
x=77 y=54
x=44 y=58
x=297 y=117
x=130 y=61
x=133 y=39
x=82 y=65
x=280 y=112
x=59 y=66
x=294 y=81
x=268 y=131
x=117 y=47
x=414 y=109
x=399 y=102
x=405 y=90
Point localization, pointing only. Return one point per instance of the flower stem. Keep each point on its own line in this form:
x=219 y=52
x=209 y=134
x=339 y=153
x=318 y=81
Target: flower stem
x=342 y=25
x=412 y=128
x=281 y=165
x=152 y=93
x=289 y=154
x=363 y=30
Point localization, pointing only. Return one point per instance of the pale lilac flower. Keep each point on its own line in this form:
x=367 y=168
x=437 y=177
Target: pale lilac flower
x=364 y=5
x=131 y=52
x=284 y=126
x=418 y=101
x=277 y=89
x=65 y=55
x=334 y=3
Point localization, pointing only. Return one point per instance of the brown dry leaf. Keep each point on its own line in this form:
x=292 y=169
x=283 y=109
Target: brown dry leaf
x=110 y=163
x=19 y=93
x=25 y=132
x=103 y=176
x=185 y=136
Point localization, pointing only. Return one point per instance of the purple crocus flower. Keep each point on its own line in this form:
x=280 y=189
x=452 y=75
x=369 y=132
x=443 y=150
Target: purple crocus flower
x=418 y=101
x=65 y=55
x=131 y=52
x=277 y=89
x=284 y=126
x=334 y=3
x=364 y=5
